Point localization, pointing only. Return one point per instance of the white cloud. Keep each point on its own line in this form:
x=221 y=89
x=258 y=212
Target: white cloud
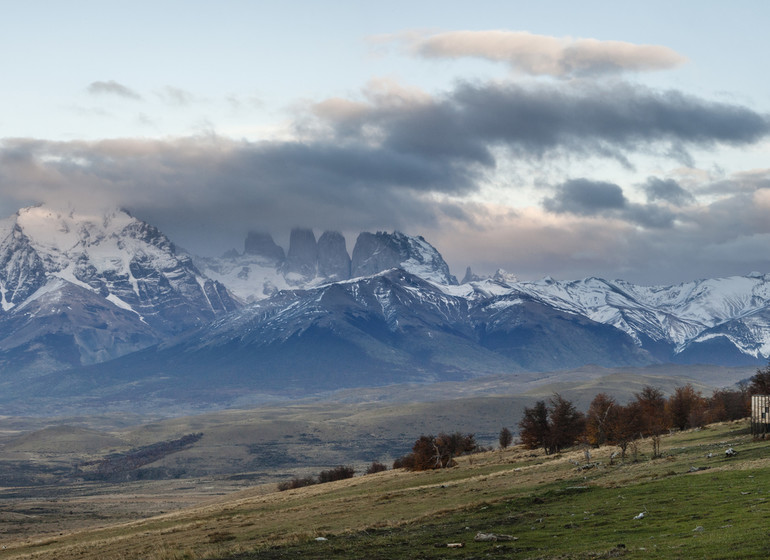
x=542 y=54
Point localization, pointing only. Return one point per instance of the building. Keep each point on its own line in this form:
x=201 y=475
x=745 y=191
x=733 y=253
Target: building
x=760 y=415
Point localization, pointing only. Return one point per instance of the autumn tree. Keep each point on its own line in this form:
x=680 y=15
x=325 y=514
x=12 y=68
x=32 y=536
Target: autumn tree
x=652 y=405
x=686 y=408
x=727 y=405
x=628 y=426
x=601 y=420
x=505 y=438
x=533 y=427
x=552 y=427
x=337 y=473
x=376 y=467
x=566 y=423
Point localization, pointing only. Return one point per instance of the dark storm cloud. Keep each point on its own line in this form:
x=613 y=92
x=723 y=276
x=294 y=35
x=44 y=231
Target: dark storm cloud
x=545 y=120
x=111 y=87
x=189 y=185
x=668 y=190
x=583 y=197
x=650 y=216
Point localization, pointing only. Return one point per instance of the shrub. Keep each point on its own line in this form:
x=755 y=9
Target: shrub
x=376 y=467
x=296 y=482
x=338 y=473
x=405 y=462
x=436 y=452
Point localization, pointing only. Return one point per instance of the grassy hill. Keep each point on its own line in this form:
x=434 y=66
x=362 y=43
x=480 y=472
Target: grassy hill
x=557 y=506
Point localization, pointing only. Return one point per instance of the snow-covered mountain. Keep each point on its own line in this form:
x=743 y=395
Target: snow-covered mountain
x=78 y=288
x=686 y=322
x=110 y=296
x=391 y=327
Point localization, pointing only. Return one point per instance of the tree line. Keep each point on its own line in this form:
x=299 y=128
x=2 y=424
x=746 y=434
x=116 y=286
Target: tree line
x=555 y=423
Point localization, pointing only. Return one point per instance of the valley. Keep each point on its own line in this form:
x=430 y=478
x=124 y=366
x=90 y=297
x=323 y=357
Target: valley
x=45 y=488
x=548 y=505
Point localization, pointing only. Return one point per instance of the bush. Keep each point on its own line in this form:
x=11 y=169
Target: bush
x=376 y=467
x=405 y=462
x=296 y=482
x=436 y=452
x=338 y=473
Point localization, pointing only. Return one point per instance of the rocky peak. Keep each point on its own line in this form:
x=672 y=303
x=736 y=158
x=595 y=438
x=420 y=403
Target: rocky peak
x=262 y=244
x=126 y=261
x=303 y=253
x=470 y=276
x=333 y=258
x=375 y=252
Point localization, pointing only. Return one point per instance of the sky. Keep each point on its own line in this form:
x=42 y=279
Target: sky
x=564 y=139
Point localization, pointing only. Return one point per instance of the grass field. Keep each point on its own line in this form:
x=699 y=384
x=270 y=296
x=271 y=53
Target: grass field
x=555 y=506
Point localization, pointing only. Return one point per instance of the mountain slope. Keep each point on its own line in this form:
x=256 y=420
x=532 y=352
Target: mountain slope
x=392 y=327
x=670 y=322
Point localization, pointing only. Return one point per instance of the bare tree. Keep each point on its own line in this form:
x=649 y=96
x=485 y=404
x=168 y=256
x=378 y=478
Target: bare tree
x=759 y=383
x=601 y=419
x=628 y=426
x=436 y=452
x=652 y=405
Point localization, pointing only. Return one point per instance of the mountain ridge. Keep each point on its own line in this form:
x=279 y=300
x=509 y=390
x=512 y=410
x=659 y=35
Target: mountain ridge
x=109 y=298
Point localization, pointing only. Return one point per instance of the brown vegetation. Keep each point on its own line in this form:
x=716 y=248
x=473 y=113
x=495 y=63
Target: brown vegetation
x=557 y=424
x=436 y=452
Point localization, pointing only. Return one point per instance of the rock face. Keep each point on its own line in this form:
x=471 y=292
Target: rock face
x=333 y=259
x=376 y=252
x=261 y=271
x=470 y=276
x=302 y=259
x=262 y=244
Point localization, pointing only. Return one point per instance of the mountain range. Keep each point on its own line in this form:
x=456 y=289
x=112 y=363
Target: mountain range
x=106 y=305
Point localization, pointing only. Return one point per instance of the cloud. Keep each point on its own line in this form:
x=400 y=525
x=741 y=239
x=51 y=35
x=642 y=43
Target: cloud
x=228 y=187
x=542 y=54
x=667 y=190
x=583 y=197
x=176 y=96
x=399 y=158
x=544 y=120
x=111 y=87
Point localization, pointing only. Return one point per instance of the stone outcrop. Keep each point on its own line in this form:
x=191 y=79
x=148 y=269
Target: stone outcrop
x=262 y=244
x=333 y=258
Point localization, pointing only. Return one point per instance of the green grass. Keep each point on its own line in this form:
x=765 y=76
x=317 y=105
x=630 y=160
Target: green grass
x=722 y=511
x=700 y=515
